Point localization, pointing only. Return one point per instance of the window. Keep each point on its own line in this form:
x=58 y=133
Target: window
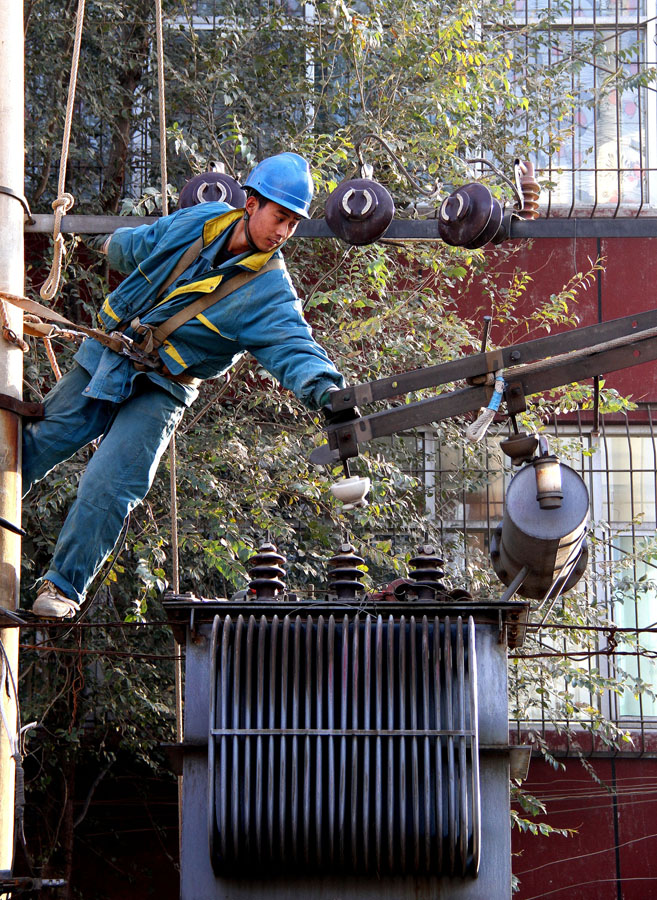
x=618 y=466
x=605 y=162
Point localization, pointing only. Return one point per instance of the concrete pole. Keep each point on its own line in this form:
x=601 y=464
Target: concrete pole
x=11 y=378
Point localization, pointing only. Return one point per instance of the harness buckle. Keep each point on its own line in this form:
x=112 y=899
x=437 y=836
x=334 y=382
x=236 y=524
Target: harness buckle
x=142 y=360
x=146 y=341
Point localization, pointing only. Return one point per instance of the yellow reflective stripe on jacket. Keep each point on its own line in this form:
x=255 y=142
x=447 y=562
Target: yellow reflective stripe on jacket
x=145 y=276
x=208 y=324
x=214 y=227
x=173 y=353
x=107 y=309
x=203 y=286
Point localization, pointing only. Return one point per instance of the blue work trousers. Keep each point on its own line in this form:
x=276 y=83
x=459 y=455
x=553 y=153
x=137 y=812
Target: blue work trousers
x=135 y=434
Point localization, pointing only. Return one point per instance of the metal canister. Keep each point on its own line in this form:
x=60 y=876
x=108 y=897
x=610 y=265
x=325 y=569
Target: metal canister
x=545 y=542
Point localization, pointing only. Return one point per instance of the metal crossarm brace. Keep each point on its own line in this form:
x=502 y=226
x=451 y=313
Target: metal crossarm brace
x=484 y=363
x=535 y=377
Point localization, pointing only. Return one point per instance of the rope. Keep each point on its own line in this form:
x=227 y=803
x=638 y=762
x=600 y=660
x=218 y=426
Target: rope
x=163 y=118
x=172 y=446
x=52 y=358
x=479 y=427
x=64 y=200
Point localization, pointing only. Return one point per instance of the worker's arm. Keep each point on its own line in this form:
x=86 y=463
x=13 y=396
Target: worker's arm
x=128 y=247
x=281 y=340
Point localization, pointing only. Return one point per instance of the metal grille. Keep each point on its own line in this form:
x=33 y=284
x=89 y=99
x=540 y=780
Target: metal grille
x=605 y=164
x=618 y=465
x=347 y=744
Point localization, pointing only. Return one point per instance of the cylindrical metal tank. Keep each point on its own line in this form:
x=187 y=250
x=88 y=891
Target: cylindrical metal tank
x=546 y=542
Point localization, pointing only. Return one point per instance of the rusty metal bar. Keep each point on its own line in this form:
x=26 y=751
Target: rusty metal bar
x=286 y=670
x=399 y=229
x=223 y=756
x=426 y=724
x=236 y=780
x=355 y=659
x=332 y=798
x=378 y=757
x=474 y=724
x=449 y=713
x=248 y=745
x=271 y=749
x=342 y=790
x=462 y=775
x=437 y=669
x=367 y=722
x=319 y=786
x=262 y=633
x=391 y=745
x=415 y=774
x=294 y=800
x=402 y=743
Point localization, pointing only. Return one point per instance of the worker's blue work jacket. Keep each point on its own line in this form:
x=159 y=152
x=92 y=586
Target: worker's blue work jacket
x=263 y=316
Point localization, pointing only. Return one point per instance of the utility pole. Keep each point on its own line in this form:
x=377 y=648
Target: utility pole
x=11 y=379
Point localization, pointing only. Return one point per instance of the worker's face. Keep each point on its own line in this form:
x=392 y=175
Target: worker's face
x=270 y=225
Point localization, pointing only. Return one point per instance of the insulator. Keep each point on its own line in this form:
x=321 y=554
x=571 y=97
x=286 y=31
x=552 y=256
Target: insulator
x=344 y=575
x=426 y=570
x=470 y=217
x=359 y=211
x=266 y=571
x=530 y=190
x=209 y=187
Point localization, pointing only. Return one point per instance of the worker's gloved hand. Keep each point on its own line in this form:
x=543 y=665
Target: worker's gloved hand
x=99 y=242
x=340 y=416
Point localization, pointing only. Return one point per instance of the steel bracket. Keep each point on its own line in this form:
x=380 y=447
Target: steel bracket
x=22 y=407
x=493 y=361
x=514 y=395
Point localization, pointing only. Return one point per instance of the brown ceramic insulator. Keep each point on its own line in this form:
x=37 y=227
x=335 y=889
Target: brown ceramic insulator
x=344 y=575
x=266 y=571
x=531 y=190
x=426 y=570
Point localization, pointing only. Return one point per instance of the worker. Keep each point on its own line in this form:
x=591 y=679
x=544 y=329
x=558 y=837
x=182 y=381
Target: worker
x=135 y=405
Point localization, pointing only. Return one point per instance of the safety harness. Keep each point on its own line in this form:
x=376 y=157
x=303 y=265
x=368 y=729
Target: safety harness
x=144 y=351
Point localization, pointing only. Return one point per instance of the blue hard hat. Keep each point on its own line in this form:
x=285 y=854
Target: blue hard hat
x=285 y=179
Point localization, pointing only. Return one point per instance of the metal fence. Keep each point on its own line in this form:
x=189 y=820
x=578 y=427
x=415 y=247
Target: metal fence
x=618 y=465
x=606 y=162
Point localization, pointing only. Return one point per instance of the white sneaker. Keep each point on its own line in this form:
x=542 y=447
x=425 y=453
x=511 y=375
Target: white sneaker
x=50 y=603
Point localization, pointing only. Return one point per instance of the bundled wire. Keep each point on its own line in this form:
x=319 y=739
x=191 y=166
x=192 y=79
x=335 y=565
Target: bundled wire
x=475 y=432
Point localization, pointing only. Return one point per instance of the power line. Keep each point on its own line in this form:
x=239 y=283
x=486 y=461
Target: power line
x=110 y=653
x=563 y=860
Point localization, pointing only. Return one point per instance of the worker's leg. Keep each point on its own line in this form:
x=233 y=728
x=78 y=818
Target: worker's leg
x=71 y=420
x=116 y=479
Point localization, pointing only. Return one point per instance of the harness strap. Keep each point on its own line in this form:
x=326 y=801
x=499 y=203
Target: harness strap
x=115 y=342
x=158 y=335
x=189 y=256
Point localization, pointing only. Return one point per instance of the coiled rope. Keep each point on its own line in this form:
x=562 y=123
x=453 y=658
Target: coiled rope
x=64 y=200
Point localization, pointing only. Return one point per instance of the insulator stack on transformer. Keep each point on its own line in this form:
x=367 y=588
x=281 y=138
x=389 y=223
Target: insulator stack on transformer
x=426 y=570
x=530 y=190
x=266 y=571
x=344 y=575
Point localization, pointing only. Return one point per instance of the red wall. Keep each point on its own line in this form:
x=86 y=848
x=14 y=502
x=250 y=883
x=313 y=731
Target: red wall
x=613 y=855
x=628 y=285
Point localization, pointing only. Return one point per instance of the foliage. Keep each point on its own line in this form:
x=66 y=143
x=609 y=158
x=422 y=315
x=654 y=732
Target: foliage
x=439 y=82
